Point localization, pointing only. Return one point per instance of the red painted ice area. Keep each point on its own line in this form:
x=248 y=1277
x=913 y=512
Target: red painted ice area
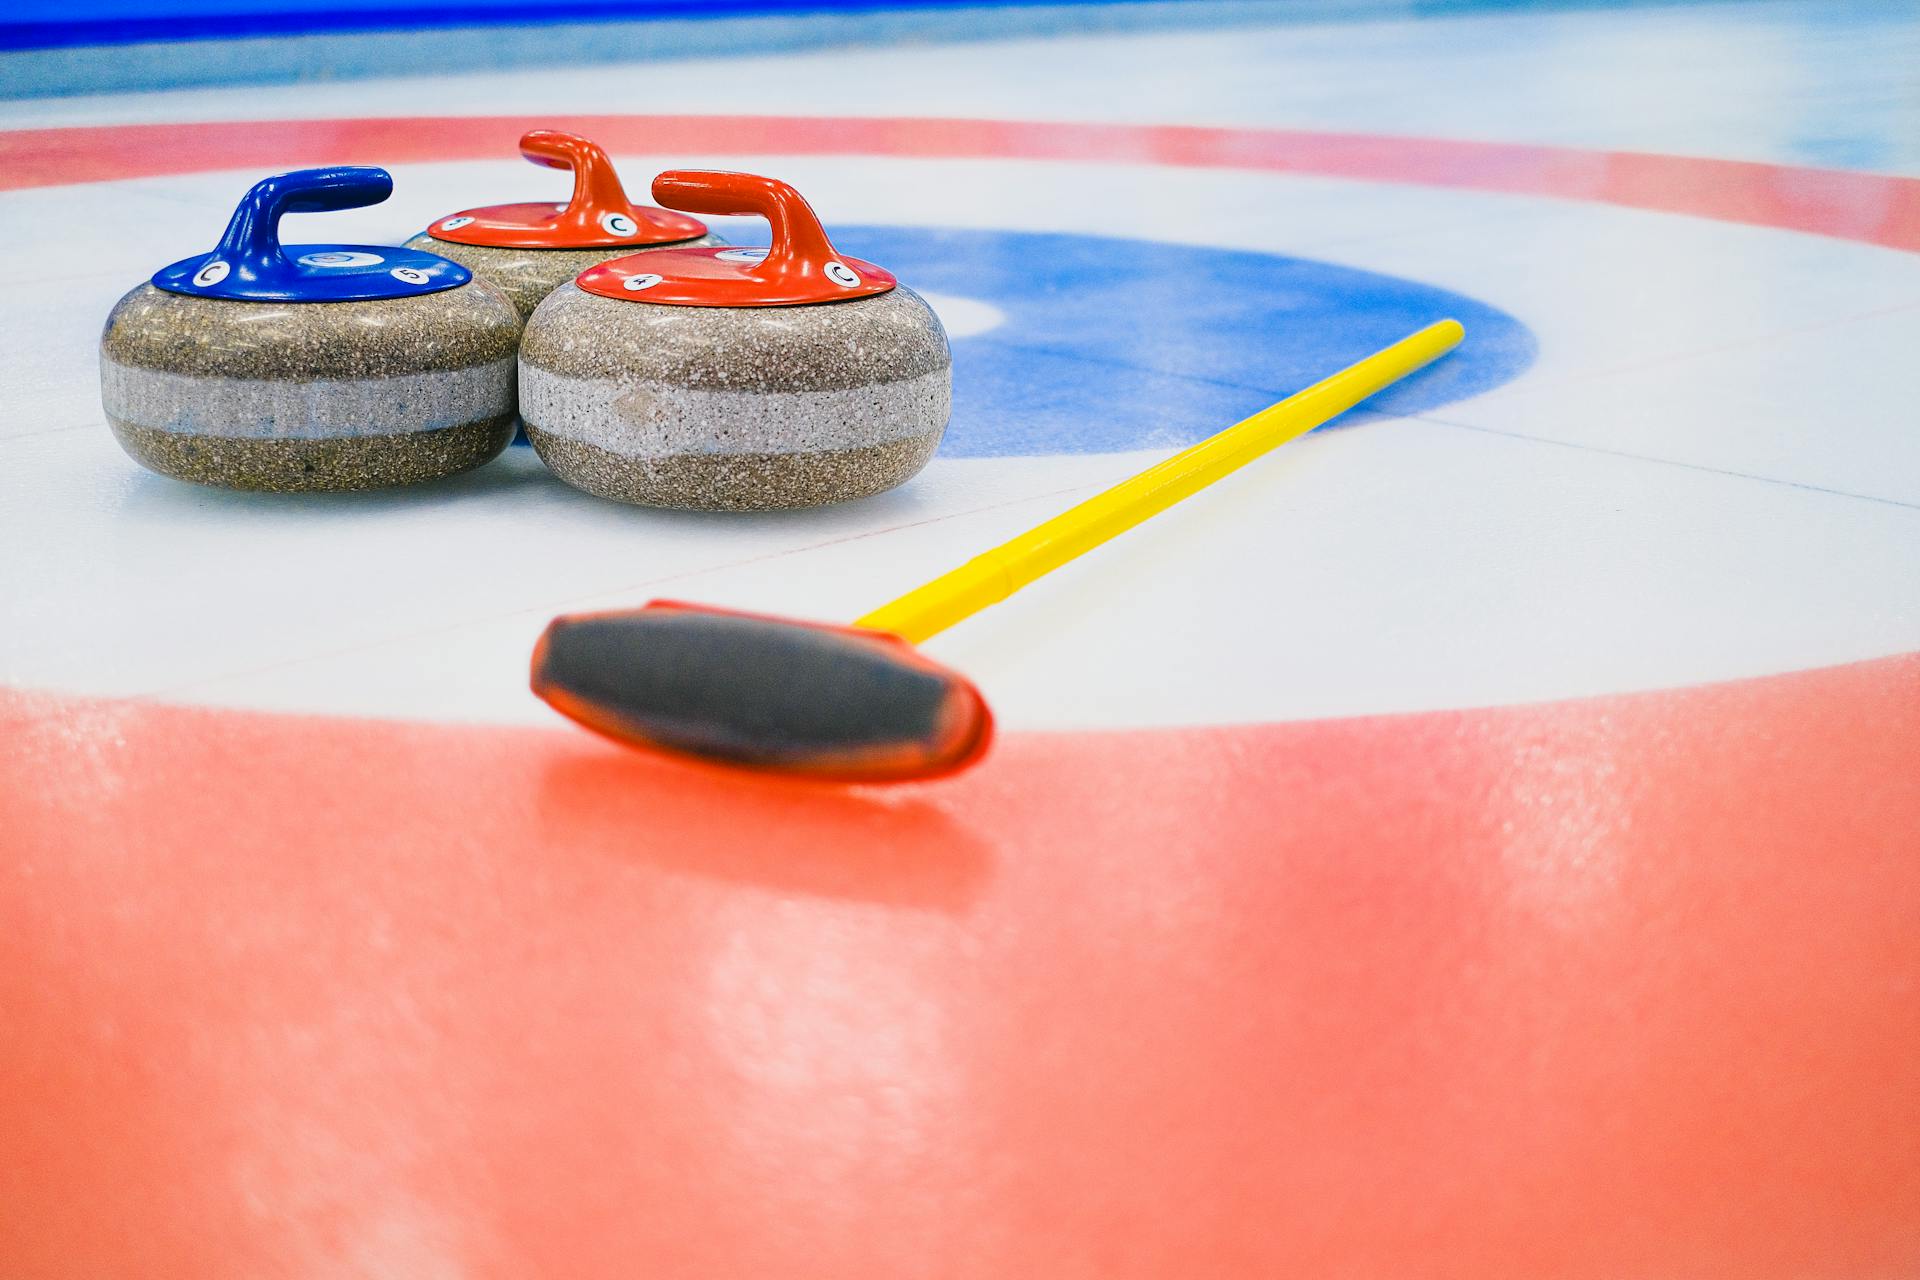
x=1618 y=987
x=1875 y=208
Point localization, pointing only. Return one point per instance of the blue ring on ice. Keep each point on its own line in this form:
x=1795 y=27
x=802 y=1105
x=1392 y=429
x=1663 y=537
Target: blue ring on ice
x=1113 y=344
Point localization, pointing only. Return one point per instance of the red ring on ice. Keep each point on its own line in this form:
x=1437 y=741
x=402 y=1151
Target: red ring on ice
x=1873 y=208
x=1478 y=986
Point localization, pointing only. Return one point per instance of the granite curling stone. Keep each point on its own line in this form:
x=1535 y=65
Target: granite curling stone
x=724 y=379
x=296 y=368
x=529 y=250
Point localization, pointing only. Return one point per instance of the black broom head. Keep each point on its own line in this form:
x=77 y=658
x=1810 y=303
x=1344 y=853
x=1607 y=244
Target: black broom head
x=762 y=692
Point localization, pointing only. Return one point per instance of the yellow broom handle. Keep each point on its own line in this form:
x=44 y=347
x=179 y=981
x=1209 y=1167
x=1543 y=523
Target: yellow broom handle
x=994 y=575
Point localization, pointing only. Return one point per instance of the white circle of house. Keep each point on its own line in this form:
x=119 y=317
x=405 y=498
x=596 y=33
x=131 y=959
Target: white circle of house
x=1608 y=521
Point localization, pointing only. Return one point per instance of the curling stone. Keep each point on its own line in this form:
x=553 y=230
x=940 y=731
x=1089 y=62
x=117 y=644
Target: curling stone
x=529 y=250
x=309 y=367
x=735 y=379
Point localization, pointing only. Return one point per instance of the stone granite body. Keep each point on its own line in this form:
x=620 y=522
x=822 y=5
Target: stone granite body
x=294 y=397
x=735 y=408
x=527 y=276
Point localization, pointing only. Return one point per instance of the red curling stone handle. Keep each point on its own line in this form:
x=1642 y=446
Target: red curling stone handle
x=800 y=248
x=801 y=265
x=596 y=186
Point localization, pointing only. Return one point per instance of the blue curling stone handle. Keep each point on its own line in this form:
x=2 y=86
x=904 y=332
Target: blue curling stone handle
x=250 y=264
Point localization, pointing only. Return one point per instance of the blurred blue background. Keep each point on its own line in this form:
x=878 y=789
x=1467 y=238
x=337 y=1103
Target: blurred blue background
x=55 y=47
